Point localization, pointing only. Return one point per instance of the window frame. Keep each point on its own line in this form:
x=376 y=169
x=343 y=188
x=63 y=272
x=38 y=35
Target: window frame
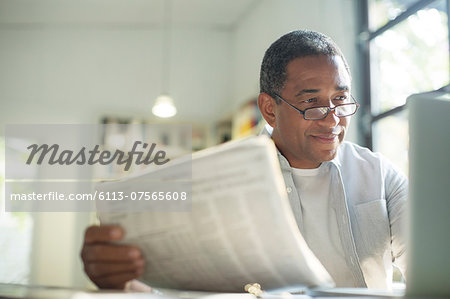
x=366 y=36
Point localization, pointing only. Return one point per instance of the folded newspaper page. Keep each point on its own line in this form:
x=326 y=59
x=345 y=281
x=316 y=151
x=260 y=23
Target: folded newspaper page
x=239 y=229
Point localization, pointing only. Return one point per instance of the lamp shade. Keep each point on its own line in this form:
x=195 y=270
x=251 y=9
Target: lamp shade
x=164 y=107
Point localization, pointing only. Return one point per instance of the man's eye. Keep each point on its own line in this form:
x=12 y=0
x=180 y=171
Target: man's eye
x=310 y=100
x=341 y=98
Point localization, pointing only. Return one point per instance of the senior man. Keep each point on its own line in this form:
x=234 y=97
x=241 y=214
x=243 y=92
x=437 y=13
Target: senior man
x=349 y=203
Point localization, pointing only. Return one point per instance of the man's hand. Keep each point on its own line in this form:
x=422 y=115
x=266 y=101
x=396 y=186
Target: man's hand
x=110 y=265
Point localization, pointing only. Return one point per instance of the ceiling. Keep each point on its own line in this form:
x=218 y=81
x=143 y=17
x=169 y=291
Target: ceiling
x=209 y=13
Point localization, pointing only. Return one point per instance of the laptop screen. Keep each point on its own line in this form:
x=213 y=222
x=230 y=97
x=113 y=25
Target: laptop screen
x=429 y=170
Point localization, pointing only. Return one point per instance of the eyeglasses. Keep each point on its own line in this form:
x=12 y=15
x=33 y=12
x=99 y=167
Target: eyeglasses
x=317 y=113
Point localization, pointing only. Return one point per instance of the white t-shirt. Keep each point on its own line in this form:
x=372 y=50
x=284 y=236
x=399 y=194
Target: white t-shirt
x=320 y=224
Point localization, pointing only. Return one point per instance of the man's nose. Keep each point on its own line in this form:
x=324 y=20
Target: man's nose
x=331 y=120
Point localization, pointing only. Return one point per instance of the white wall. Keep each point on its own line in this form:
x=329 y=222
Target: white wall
x=57 y=240
x=270 y=19
x=76 y=75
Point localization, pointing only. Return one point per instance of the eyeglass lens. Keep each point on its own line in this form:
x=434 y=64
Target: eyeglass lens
x=320 y=112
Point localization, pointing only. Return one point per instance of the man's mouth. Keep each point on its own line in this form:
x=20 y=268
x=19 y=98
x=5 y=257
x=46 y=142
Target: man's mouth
x=328 y=138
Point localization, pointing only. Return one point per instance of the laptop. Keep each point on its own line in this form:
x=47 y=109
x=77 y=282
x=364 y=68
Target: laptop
x=429 y=170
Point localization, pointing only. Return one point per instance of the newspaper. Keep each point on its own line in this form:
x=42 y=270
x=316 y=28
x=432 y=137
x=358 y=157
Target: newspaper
x=240 y=229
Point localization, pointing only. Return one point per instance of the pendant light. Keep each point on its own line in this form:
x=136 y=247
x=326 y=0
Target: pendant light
x=164 y=106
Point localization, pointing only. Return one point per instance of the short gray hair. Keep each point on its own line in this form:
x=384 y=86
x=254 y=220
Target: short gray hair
x=295 y=44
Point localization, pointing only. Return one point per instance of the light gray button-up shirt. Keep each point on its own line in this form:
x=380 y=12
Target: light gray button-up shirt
x=369 y=199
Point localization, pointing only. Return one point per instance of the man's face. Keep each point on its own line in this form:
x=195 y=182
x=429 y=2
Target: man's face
x=311 y=81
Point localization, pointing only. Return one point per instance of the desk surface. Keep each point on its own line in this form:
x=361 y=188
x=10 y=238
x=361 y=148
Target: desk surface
x=26 y=291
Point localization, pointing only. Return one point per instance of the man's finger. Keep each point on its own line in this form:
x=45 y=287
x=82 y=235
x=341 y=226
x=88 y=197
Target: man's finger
x=97 y=270
x=110 y=253
x=104 y=233
x=116 y=281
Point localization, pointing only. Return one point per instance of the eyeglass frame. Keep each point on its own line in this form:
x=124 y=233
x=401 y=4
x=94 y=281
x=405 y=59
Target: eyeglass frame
x=328 y=108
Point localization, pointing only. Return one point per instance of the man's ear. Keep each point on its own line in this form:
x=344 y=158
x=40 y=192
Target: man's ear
x=266 y=105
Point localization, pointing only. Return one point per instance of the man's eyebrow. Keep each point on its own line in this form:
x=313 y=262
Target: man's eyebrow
x=307 y=91
x=338 y=87
x=342 y=87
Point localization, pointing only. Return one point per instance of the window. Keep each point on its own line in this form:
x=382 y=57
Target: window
x=405 y=47
x=16 y=231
